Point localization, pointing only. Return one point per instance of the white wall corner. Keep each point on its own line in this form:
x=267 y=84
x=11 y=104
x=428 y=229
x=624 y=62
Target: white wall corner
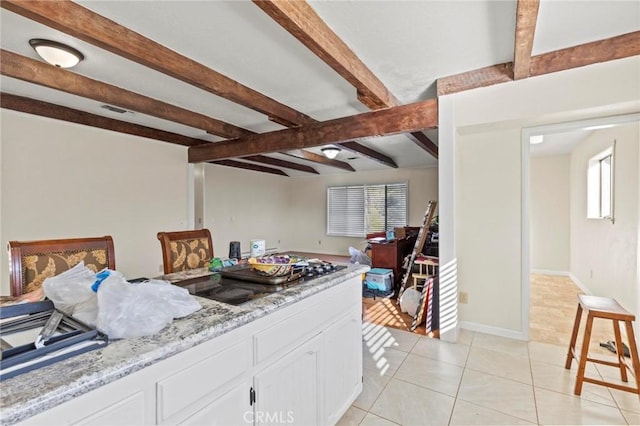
x=447 y=213
x=579 y=283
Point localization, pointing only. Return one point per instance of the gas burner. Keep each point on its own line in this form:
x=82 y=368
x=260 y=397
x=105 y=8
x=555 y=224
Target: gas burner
x=236 y=292
x=317 y=269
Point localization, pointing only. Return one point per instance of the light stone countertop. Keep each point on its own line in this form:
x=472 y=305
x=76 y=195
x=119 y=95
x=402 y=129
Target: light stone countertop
x=31 y=393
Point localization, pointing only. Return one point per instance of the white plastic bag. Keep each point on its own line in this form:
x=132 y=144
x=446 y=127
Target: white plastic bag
x=410 y=301
x=359 y=257
x=71 y=293
x=116 y=307
x=141 y=309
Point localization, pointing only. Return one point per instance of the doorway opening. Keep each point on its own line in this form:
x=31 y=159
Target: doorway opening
x=561 y=252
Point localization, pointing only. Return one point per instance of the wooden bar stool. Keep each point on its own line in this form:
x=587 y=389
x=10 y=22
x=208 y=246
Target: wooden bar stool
x=606 y=308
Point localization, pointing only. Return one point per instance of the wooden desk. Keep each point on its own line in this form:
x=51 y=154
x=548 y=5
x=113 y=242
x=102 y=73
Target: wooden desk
x=390 y=255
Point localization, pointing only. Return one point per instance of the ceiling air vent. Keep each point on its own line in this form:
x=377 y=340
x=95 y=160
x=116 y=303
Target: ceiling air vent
x=115 y=109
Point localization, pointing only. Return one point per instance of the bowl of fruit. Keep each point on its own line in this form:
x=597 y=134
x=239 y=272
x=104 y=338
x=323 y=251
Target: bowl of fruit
x=274 y=266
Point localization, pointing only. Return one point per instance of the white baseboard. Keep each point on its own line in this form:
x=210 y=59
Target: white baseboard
x=496 y=331
x=551 y=272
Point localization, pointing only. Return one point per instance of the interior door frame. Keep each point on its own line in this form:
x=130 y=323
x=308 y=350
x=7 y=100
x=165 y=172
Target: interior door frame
x=527 y=132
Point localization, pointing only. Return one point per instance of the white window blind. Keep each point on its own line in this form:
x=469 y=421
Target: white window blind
x=354 y=211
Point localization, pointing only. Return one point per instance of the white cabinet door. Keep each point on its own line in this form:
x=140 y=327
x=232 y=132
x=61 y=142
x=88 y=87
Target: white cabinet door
x=342 y=355
x=129 y=411
x=288 y=392
x=128 y=401
x=231 y=409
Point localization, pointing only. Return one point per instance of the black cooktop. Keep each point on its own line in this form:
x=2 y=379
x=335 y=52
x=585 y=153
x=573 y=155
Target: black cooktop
x=236 y=291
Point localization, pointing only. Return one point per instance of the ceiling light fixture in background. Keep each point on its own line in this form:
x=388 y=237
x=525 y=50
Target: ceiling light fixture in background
x=536 y=139
x=55 y=53
x=330 y=152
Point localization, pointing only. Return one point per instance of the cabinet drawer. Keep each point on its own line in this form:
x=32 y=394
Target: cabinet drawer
x=200 y=380
x=300 y=327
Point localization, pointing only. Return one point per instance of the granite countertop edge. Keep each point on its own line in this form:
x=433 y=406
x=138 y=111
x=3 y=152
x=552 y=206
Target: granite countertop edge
x=31 y=393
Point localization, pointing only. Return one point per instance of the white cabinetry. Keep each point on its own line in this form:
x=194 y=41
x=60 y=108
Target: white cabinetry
x=232 y=408
x=301 y=364
x=342 y=365
x=128 y=401
x=288 y=392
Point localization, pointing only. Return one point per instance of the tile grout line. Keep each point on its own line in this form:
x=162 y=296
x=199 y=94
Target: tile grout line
x=533 y=386
x=464 y=369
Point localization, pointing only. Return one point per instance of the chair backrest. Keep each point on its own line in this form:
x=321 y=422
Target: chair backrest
x=183 y=250
x=34 y=261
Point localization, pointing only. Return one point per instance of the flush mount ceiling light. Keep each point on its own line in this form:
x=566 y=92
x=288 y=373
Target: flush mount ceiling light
x=536 y=139
x=55 y=53
x=330 y=152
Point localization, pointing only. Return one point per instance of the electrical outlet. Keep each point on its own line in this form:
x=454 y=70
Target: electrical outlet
x=463 y=297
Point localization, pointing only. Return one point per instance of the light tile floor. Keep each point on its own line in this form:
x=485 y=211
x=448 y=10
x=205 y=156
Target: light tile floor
x=411 y=379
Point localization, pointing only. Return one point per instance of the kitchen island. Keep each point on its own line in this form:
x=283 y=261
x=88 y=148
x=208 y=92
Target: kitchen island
x=294 y=356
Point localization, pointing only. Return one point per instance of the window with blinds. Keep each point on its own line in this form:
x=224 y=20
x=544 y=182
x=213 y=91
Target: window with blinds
x=354 y=211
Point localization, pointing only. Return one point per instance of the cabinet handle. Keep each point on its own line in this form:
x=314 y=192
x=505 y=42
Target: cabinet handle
x=252 y=396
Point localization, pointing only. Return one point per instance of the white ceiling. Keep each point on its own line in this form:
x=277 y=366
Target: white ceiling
x=407 y=44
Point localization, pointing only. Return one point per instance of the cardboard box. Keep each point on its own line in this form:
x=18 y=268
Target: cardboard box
x=400 y=232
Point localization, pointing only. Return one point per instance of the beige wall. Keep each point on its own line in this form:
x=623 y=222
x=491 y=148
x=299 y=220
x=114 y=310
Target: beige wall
x=488 y=226
x=244 y=205
x=309 y=205
x=290 y=212
x=604 y=255
x=62 y=180
x=550 y=195
x=486 y=145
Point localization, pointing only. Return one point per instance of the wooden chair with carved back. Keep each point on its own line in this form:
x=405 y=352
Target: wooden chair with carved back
x=31 y=262
x=184 y=250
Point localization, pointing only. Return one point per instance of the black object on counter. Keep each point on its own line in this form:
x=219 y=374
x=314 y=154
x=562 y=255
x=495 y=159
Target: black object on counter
x=72 y=337
x=234 y=250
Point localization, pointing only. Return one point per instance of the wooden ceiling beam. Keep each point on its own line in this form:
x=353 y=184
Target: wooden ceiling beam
x=369 y=153
x=526 y=17
x=618 y=47
x=57 y=112
x=401 y=119
x=247 y=166
x=424 y=142
x=45 y=109
x=622 y=46
x=84 y=24
x=302 y=22
x=321 y=159
x=482 y=77
x=281 y=163
x=37 y=72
